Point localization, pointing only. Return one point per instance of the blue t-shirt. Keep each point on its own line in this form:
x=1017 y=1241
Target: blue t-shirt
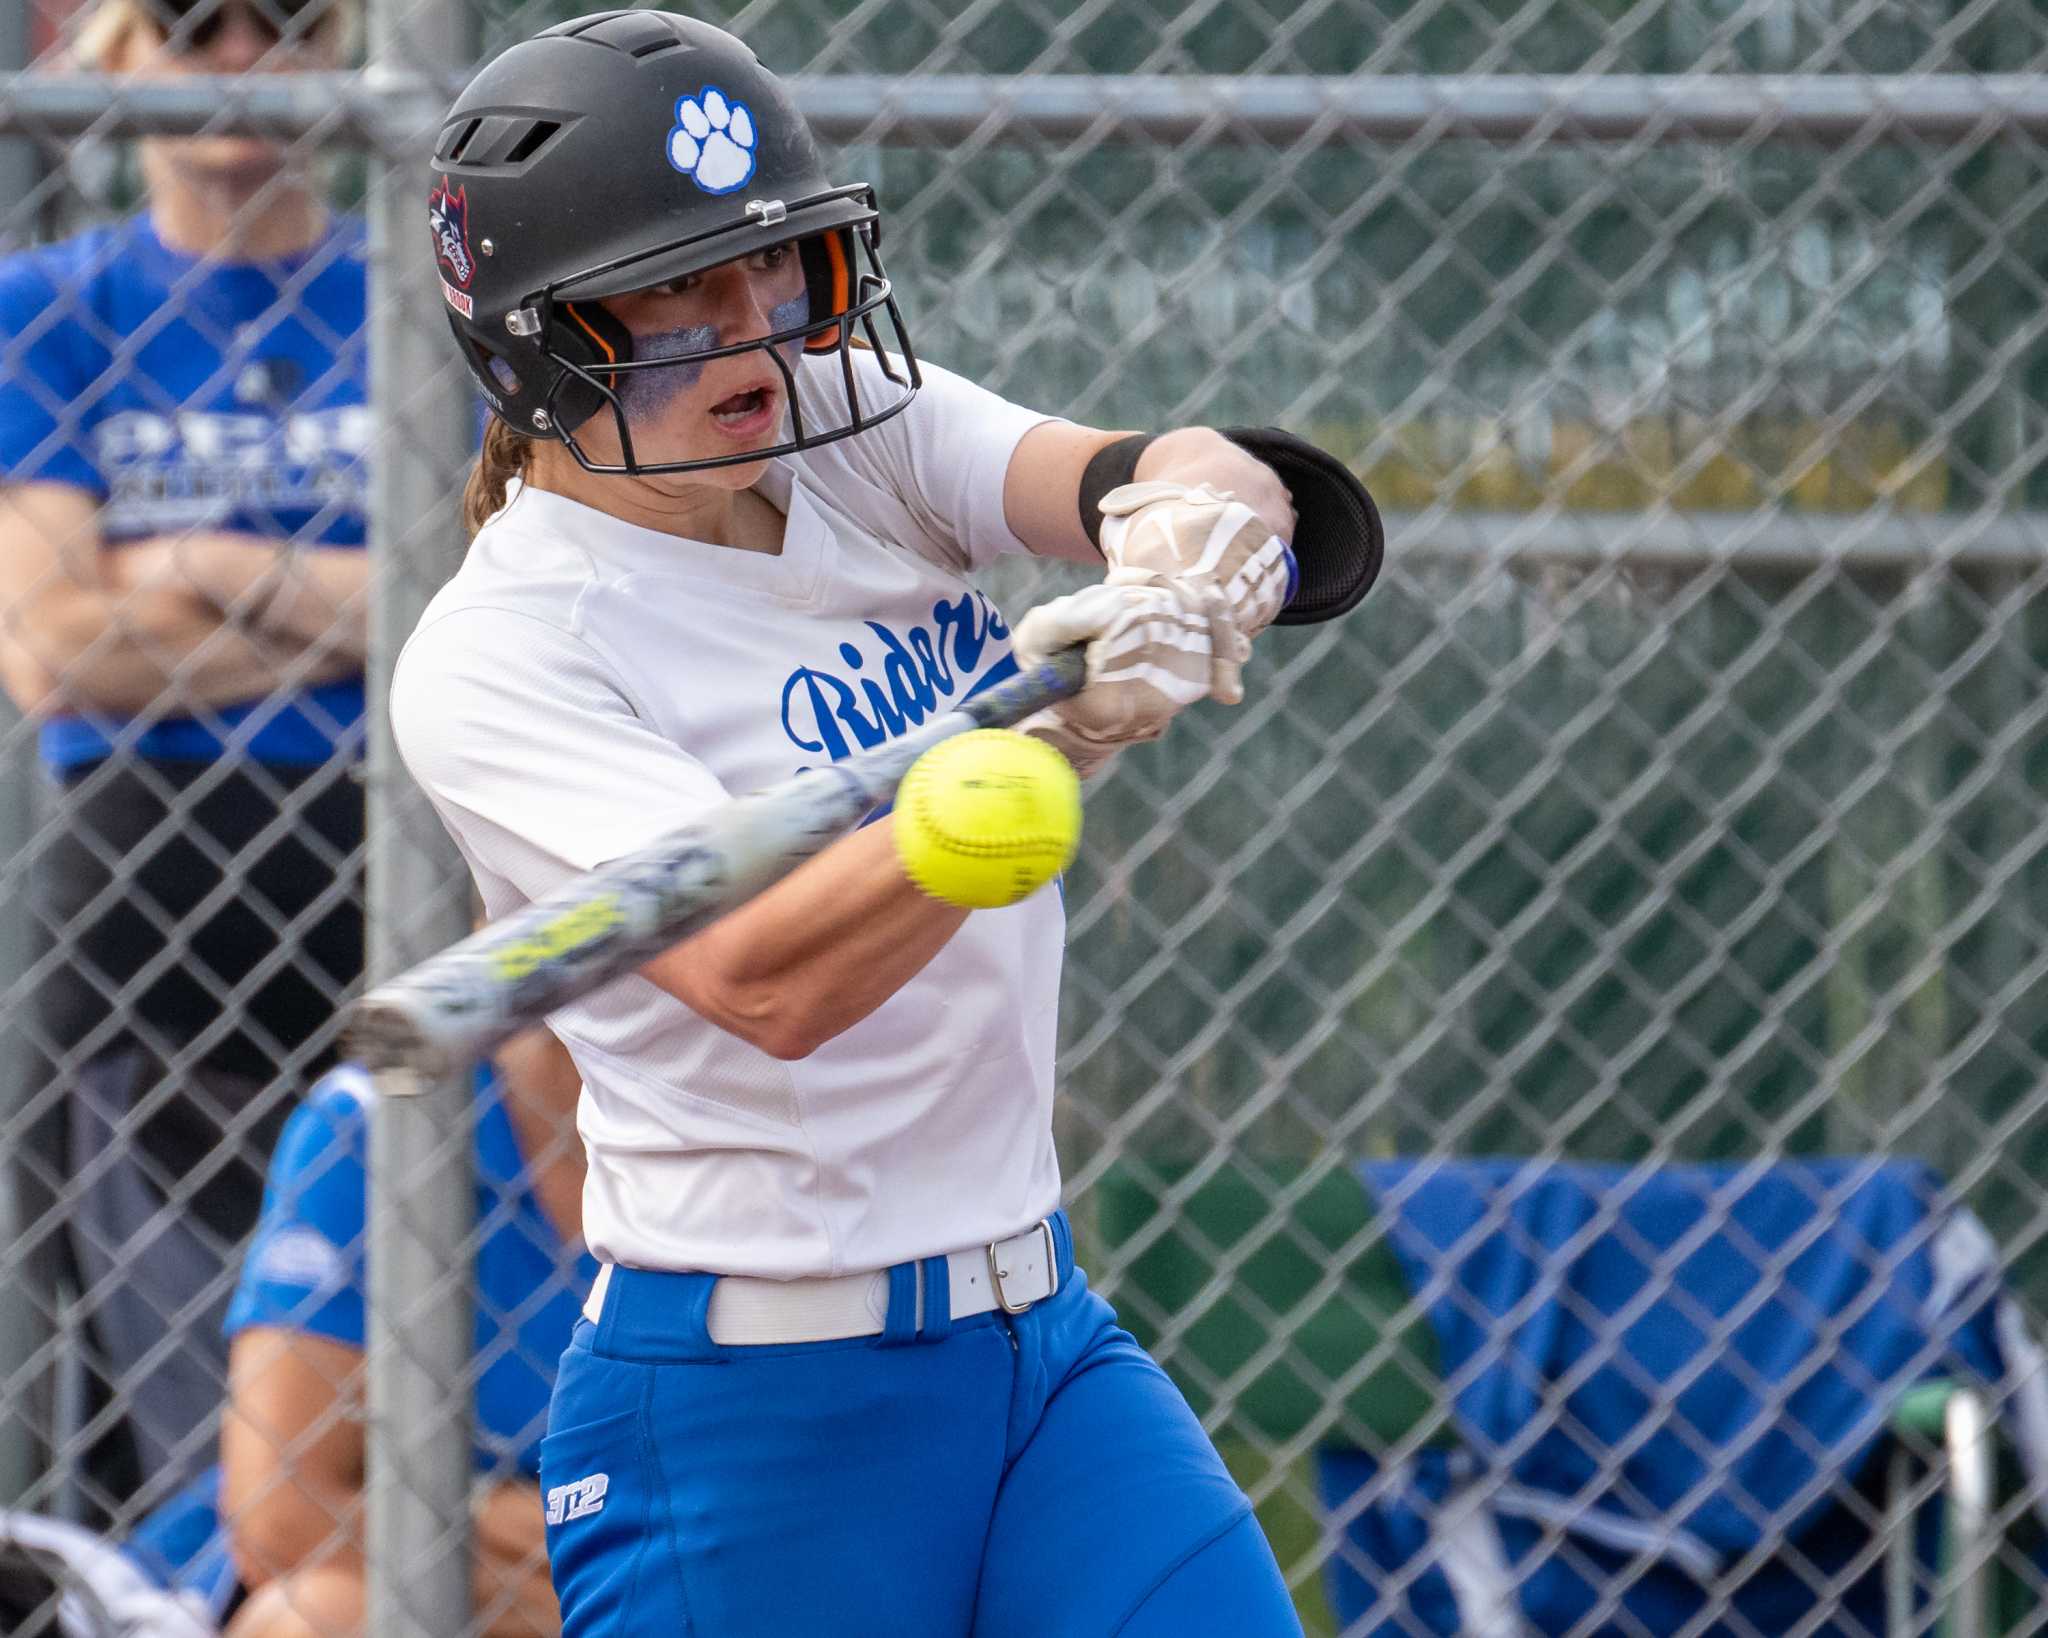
x=189 y=396
x=304 y=1271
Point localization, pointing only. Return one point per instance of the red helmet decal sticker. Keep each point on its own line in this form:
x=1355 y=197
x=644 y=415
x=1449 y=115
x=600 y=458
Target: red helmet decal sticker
x=448 y=214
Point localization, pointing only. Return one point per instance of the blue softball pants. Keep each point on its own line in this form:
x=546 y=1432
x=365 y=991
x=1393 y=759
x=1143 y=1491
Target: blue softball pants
x=1001 y=1476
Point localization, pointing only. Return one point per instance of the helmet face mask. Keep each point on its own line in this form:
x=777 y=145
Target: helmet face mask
x=608 y=377
x=620 y=153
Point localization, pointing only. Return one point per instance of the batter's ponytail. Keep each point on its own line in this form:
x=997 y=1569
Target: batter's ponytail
x=503 y=458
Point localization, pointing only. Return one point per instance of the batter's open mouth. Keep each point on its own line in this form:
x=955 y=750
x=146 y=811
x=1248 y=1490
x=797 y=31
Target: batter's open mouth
x=741 y=406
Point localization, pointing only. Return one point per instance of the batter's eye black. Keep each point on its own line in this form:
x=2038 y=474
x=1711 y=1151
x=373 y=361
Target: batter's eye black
x=194 y=25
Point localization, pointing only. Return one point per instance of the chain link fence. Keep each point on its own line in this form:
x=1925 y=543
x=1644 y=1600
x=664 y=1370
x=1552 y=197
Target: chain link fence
x=1668 y=822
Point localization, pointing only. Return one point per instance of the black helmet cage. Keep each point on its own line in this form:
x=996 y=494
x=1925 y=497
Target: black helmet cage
x=591 y=350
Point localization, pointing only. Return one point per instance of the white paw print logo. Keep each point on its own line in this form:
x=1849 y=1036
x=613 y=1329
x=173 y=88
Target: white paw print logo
x=713 y=142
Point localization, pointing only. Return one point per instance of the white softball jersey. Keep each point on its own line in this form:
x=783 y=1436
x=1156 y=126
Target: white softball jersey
x=584 y=685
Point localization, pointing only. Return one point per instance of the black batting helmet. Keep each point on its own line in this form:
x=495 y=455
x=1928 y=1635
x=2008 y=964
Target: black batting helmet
x=619 y=152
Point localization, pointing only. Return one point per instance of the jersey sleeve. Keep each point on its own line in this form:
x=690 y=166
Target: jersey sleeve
x=944 y=458
x=47 y=369
x=532 y=751
x=304 y=1269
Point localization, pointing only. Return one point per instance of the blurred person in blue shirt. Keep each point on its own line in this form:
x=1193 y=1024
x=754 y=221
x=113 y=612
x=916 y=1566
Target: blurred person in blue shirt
x=183 y=425
x=275 y=1534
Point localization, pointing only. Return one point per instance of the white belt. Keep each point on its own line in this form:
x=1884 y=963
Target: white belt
x=1010 y=1274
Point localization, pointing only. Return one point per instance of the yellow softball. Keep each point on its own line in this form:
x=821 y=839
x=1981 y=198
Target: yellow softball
x=986 y=818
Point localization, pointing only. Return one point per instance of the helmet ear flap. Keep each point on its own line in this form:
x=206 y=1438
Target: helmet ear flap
x=828 y=274
x=585 y=334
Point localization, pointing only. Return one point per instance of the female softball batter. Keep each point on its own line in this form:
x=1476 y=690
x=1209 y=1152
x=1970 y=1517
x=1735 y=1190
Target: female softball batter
x=839 y=1374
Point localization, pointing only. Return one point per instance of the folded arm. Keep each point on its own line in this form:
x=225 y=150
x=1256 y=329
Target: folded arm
x=205 y=618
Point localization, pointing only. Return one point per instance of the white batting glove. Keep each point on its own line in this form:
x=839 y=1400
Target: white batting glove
x=1155 y=646
x=1202 y=536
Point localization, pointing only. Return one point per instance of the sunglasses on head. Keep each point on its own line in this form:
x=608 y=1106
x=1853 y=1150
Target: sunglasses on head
x=193 y=25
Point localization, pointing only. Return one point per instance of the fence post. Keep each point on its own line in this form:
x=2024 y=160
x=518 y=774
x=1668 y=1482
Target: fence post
x=20 y=165
x=422 y=1190
x=24 y=1328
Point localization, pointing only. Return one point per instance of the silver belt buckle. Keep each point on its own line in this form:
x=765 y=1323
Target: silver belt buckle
x=998 y=1275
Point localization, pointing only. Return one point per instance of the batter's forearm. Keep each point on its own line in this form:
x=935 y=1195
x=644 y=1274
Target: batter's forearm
x=817 y=952
x=1201 y=455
